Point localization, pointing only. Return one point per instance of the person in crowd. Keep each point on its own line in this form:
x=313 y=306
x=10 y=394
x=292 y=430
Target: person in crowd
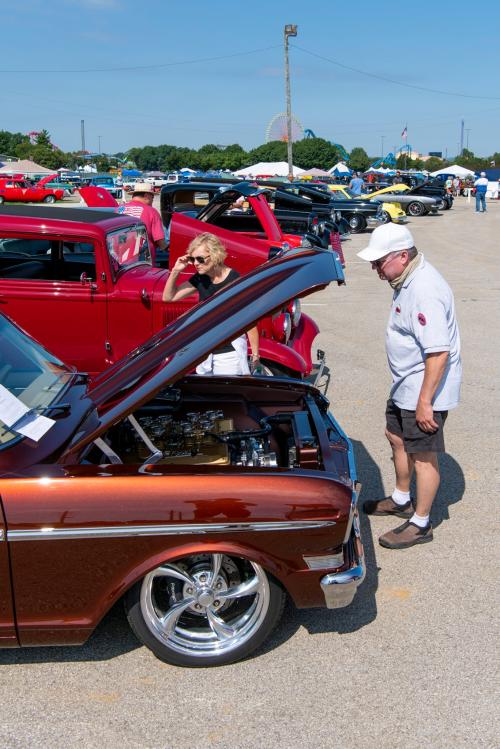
x=356 y=184
x=449 y=185
x=423 y=350
x=141 y=207
x=481 y=186
x=397 y=179
x=456 y=186
x=207 y=253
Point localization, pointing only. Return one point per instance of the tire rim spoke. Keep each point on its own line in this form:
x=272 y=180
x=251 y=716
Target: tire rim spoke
x=167 y=570
x=248 y=588
x=168 y=622
x=216 y=565
x=219 y=626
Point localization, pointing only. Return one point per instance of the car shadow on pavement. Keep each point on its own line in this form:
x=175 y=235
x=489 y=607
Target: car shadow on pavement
x=363 y=610
x=112 y=637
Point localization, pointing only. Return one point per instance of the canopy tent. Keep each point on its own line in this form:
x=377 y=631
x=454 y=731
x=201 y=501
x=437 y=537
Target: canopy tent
x=340 y=170
x=315 y=173
x=154 y=174
x=24 y=166
x=187 y=170
x=268 y=169
x=458 y=171
x=131 y=173
x=380 y=170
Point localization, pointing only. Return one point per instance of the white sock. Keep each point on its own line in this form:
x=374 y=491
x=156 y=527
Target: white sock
x=400 y=498
x=422 y=522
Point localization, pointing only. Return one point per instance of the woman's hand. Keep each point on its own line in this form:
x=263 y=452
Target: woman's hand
x=181 y=264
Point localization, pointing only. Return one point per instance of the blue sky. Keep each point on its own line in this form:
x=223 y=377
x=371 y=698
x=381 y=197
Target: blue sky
x=195 y=99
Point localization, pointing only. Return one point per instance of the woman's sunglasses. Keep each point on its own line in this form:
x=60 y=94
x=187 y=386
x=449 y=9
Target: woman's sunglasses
x=199 y=259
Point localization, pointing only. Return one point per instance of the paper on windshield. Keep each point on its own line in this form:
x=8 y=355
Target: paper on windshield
x=16 y=415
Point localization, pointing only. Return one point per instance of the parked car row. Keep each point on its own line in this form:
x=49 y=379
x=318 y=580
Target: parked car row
x=204 y=553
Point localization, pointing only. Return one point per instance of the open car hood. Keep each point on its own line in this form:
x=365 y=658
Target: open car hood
x=47 y=179
x=97 y=197
x=180 y=346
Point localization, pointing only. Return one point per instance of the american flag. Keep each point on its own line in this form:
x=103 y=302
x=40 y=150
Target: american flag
x=405 y=132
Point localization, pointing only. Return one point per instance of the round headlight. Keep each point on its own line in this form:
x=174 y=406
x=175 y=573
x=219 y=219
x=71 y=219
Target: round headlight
x=287 y=326
x=282 y=327
x=295 y=312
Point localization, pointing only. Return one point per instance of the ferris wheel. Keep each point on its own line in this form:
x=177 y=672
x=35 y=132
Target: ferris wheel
x=277 y=129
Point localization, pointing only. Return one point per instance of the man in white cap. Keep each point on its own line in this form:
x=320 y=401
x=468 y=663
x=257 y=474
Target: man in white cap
x=141 y=207
x=423 y=351
x=481 y=186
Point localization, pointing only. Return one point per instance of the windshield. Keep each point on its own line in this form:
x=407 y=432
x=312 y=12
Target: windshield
x=28 y=372
x=127 y=247
x=104 y=181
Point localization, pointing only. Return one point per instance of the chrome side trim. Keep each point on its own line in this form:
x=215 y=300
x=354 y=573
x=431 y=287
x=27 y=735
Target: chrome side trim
x=124 y=531
x=1 y=534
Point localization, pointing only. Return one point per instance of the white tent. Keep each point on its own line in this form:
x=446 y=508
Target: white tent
x=458 y=171
x=24 y=166
x=340 y=168
x=268 y=169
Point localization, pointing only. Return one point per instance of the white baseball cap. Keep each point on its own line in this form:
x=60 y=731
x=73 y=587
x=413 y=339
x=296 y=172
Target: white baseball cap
x=385 y=239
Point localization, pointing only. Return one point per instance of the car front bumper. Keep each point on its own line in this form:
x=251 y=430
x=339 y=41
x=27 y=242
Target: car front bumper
x=339 y=588
x=374 y=221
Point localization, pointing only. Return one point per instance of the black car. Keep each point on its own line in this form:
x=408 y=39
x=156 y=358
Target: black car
x=359 y=213
x=430 y=189
x=213 y=202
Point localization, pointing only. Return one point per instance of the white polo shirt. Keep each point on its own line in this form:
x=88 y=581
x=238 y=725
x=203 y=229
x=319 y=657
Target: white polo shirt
x=422 y=321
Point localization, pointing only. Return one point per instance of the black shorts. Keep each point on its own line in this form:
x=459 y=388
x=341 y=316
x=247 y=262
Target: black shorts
x=403 y=423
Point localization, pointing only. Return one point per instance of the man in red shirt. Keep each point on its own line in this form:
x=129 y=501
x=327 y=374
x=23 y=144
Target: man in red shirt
x=141 y=207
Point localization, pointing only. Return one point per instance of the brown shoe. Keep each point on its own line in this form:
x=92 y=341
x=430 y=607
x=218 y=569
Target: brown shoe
x=406 y=535
x=388 y=506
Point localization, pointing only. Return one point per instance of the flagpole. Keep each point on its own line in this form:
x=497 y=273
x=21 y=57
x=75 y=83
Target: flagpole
x=406 y=146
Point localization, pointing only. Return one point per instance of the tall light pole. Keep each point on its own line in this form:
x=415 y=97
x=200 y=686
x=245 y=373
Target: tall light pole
x=382 y=138
x=99 y=139
x=467 y=130
x=290 y=30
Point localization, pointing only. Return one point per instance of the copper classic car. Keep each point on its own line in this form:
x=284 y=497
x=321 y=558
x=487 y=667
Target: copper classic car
x=202 y=502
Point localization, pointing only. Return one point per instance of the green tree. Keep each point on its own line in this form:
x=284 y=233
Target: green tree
x=275 y=150
x=359 y=160
x=314 y=152
x=43 y=139
x=433 y=164
x=10 y=141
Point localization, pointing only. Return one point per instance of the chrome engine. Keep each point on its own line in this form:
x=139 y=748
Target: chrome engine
x=206 y=437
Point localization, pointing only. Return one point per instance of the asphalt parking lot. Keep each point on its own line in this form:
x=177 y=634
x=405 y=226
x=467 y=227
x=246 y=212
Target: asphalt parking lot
x=411 y=663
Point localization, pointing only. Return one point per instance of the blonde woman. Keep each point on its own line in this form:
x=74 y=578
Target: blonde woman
x=206 y=252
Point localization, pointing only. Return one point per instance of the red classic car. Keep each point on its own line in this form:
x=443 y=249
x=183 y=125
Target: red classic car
x=199 y=501
x=81 y=282
x=18 y=190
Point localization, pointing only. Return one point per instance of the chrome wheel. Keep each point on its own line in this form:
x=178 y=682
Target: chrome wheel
x=415 y=209
x=205 y=609
x=357 y=223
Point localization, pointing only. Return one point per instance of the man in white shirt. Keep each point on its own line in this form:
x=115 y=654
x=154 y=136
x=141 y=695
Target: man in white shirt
x=481 y=186
x=423 y=351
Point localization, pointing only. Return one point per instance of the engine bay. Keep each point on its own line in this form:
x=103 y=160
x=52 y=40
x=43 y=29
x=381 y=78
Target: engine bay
x=188 y=428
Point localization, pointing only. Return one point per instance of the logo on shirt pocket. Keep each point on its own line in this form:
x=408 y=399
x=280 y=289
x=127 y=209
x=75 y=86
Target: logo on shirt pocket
x=421 y=319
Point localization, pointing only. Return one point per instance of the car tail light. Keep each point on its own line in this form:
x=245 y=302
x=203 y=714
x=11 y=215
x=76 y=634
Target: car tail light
x=282 y=326
x=337 y=246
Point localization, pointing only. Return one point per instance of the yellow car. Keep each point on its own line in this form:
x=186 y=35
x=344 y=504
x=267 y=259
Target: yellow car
x=392 y=211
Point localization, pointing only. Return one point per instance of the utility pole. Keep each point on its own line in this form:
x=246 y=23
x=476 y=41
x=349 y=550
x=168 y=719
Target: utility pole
x=290 y=30
x=467 y=130
x=99 y=139
x=83 y=136
x=462 y=137
x=382 y=138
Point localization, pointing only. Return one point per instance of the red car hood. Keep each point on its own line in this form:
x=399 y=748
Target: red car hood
x=46 y=179
x=97 y=197
x=176 y=349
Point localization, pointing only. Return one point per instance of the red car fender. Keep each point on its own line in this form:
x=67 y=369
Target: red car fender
x=283 y=356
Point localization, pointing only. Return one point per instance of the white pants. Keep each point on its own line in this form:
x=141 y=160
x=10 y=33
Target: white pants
x=233 y=363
